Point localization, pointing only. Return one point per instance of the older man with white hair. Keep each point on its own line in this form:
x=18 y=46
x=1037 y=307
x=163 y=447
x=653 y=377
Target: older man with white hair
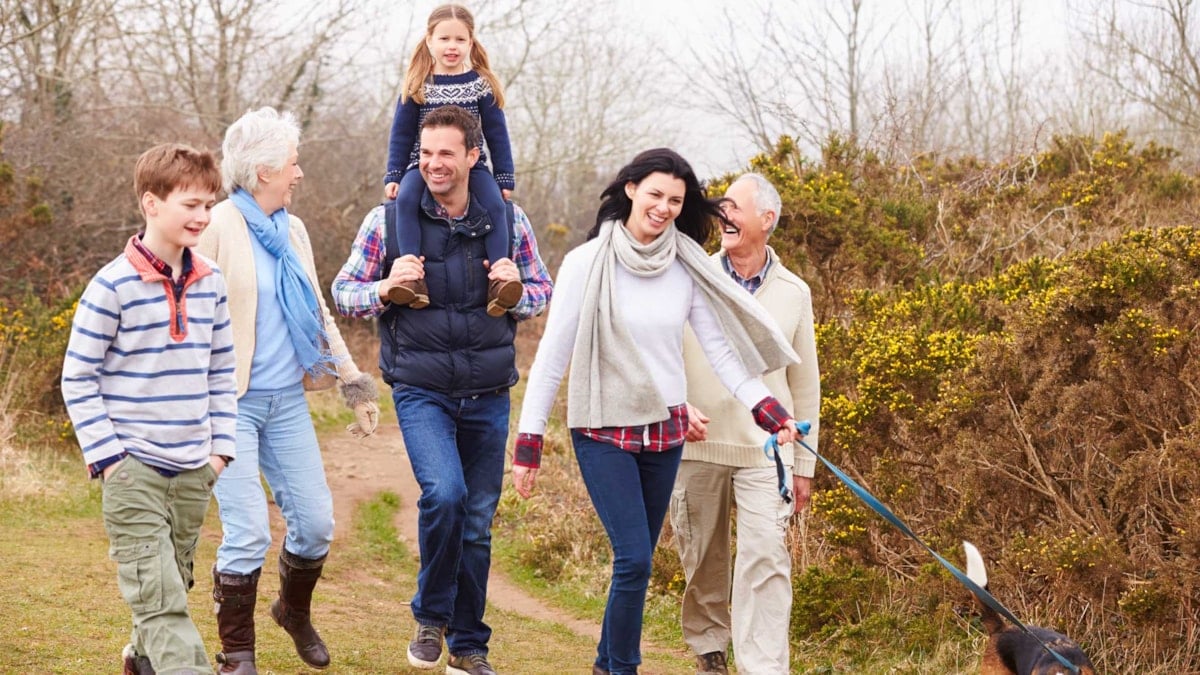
x=724 y=464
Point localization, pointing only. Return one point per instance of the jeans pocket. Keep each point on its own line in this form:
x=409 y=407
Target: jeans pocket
x=139 y=574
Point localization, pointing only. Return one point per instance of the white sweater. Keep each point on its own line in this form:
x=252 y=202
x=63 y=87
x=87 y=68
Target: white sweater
x=655 y=310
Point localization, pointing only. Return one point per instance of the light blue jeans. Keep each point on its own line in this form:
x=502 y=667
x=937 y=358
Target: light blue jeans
x=275 y=435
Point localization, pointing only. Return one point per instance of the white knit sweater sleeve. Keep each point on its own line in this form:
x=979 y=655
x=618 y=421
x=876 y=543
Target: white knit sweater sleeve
x=558 y=341
x=748 y=389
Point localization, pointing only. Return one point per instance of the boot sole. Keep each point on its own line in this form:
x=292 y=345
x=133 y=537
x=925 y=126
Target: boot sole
x=316 y=666
x=506 y=298
x=399 y=295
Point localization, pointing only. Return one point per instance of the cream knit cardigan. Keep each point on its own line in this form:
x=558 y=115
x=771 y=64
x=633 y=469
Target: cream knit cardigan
x=227 y=241
x=733 y=437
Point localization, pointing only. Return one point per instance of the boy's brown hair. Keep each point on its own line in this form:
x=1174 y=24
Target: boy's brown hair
x=167 y=167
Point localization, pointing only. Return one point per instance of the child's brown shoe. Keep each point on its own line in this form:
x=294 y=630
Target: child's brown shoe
x=412 y=293
x=503 y=296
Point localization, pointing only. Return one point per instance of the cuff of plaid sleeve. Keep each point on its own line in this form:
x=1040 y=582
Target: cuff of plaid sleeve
x=770 y=414
x=528 y=452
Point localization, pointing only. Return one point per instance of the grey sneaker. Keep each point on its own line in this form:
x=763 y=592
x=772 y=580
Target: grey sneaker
x=426 y=646
x=471 y=664
x=712 y=663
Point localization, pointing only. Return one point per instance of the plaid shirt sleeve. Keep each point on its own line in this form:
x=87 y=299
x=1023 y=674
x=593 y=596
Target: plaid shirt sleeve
x=534 y=274
x=528 y=451
x=356 y=286
x=770 y=415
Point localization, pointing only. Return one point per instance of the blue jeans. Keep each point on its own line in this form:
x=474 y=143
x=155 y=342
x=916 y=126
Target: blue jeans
x=631 y=492
x=275 y=435
x=456 y=447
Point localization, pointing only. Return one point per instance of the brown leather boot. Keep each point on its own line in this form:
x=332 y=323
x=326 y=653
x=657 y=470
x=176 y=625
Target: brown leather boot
x=235 y=595
x=503 y=296
x=297 y=578
x=415 y=294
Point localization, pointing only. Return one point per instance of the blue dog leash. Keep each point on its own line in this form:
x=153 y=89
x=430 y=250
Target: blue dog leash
x=980 y=592
x=771 y=450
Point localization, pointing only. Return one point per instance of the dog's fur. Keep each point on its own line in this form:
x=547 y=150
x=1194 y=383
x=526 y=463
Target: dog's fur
x=1011 y=651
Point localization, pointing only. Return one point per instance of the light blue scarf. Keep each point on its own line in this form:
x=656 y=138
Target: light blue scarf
x=292 y=288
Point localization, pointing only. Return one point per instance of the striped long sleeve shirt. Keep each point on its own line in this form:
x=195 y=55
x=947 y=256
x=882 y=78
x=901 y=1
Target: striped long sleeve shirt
x=150 y=374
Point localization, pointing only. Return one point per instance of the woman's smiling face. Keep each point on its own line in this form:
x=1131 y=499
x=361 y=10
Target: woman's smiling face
x=656 y=202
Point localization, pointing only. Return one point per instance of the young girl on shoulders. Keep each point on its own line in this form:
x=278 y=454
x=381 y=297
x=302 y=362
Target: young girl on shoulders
x=450 y=68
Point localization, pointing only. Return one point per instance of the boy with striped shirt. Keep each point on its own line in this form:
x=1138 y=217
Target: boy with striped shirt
x=148 y=380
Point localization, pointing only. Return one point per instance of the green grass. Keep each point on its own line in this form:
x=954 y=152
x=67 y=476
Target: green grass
x=64 y=615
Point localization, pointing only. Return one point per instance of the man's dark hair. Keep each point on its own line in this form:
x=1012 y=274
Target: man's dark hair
x=454 y=116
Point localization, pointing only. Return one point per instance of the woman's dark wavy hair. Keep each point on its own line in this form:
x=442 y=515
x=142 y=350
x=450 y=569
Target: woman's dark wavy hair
x=697 y=217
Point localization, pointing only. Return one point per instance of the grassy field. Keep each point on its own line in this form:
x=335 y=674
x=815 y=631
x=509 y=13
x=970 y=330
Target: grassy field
x=64 y=614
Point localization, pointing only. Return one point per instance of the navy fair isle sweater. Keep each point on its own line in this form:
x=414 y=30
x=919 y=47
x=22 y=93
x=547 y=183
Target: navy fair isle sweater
x=469 y=91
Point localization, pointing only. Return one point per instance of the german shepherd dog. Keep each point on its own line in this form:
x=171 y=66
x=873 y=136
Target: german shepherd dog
x=1012 y=651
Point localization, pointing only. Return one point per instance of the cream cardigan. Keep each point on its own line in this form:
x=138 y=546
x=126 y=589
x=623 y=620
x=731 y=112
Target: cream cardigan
x=733 y=437
x=227 y=241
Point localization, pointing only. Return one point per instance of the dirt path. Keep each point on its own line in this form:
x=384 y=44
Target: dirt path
x=359 y=470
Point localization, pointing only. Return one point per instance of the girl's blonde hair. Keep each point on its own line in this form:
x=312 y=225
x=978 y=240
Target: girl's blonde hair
x=420 y=67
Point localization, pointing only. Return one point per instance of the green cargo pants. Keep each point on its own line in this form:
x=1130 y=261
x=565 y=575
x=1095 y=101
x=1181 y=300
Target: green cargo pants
x=153 y=525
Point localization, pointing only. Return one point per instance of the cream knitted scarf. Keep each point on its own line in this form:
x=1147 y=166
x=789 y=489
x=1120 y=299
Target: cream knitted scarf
x=608 y=384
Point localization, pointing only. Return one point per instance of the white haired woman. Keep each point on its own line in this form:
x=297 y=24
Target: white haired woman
x=286 y=342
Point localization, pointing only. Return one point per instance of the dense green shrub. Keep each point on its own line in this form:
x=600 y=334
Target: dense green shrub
x=1049 y=414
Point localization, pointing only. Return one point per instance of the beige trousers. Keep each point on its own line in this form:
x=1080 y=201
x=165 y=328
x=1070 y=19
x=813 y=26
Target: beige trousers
x=758 y=581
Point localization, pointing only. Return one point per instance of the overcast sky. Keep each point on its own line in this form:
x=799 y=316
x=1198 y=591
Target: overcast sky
x=665 y=33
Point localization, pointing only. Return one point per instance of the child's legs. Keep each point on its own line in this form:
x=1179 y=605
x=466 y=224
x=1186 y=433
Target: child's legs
x=484 y=188
x=137 y=515
x=408 y=202
x=241 y=501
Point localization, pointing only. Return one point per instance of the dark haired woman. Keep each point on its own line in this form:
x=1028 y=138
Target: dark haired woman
x=621 y=302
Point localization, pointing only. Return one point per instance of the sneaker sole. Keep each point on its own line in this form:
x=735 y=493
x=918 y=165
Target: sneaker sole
x=418 y=663
x=451 y=670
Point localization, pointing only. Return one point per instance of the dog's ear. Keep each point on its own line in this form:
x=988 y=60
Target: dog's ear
x=975 y=570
